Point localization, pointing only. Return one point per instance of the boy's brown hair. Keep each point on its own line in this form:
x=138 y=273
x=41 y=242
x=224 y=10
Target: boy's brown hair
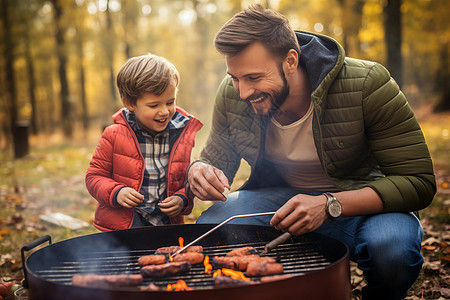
x=256 y=24
x=145 y=74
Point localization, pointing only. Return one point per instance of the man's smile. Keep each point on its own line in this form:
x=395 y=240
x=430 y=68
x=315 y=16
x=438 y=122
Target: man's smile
x=258 y=99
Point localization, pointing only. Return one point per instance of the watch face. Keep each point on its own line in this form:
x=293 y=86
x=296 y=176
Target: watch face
x=335 y=209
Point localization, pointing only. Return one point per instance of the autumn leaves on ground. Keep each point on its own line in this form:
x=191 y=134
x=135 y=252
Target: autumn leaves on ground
x=51 y=179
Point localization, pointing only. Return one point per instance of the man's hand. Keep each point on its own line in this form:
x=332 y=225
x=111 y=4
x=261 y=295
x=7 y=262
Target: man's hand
x=301 y=214
x=171 y=206
x=128 y=197
x=207 y=182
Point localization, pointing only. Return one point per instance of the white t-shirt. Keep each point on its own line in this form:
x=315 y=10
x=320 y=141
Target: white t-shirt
x=293 y=151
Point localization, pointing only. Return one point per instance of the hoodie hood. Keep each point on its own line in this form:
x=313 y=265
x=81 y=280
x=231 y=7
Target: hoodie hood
x=321 y=56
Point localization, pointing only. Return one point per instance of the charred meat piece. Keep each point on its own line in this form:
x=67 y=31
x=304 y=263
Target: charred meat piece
x=106 y=281
x=151 y=287
x=263 y=269
x=190 y=257
x=173 y=249
x=156 y=259
x=168 y=269
x=242 y=251
x=239 y=262
x=225 y=281
x=219 y=262
x=275 y=277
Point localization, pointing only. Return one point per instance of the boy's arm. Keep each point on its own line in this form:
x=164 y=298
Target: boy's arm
x=99 y=180
x=188 y=201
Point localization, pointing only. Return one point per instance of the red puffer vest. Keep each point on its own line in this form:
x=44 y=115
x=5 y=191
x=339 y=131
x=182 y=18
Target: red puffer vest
x=117 y=162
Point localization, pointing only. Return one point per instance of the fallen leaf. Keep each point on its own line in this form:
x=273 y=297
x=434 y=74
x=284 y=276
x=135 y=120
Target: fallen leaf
x=15 y=267
x=356 y=280
x=6 y=258
x=445 y=258
x=445 y=292
x=433 y=266
x=15 y=219
x=431 y=241
x=430 y=247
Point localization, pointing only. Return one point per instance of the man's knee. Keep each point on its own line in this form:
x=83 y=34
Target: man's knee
x=390 y=255
x=392 y=258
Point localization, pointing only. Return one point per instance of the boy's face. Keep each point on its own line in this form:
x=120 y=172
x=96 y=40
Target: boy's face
x=153 y=113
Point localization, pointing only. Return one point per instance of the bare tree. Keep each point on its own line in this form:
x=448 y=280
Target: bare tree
x=79 y=45
x=351 y=24
x=393 y=38
x=31 y=80
x=108 y=44
x=19 y=132
x=66 y=113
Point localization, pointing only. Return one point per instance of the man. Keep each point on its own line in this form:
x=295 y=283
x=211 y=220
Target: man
x=327 y=138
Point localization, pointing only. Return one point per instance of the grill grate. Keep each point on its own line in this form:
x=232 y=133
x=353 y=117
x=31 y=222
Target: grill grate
x=298 y=258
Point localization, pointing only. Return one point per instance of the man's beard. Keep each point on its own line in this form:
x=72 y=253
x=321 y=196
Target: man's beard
x=279 y=96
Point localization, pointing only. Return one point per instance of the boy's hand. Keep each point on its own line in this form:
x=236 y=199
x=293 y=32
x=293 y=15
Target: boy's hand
x=128 y=197
x=171 y=206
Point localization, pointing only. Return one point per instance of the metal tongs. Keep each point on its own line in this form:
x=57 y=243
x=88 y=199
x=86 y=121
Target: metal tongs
x=279 y=240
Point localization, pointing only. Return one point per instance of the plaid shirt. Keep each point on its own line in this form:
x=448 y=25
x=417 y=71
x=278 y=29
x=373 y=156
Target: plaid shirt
x=156 y=152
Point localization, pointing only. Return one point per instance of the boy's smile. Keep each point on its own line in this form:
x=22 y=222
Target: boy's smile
x=153 y=113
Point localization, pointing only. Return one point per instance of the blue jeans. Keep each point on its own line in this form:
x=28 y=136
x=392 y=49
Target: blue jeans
x=385 y=246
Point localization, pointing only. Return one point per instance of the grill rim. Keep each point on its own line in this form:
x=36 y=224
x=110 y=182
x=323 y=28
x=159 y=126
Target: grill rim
x=38 y=281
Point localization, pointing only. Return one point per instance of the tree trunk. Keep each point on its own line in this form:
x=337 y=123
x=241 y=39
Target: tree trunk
x=127 y=31
x=351 y=24
x=82 y=80
x=8 y=52
x=19 y=137
x=31 y=83
x=109 y=51
x=443 y=78
x=393 y=38
x=66 y=111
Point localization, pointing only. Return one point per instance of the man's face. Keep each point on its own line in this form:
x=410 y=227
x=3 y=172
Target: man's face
x=258 y=77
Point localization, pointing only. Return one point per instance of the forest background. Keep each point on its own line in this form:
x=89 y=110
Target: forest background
x=59 y=59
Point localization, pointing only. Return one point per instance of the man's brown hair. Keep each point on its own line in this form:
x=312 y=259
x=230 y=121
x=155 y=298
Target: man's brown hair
x=256 y=24
x=146 y=74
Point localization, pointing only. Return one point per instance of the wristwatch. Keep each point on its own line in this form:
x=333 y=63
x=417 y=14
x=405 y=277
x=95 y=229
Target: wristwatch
x=333 y=207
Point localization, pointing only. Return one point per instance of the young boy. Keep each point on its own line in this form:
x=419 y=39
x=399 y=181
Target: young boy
x=137 y=172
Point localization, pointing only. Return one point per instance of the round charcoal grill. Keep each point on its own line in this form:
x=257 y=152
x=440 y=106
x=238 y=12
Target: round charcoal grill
x=318 y=264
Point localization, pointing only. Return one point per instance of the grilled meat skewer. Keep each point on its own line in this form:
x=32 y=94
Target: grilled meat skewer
x=191 y=257
x=263 y=269
x=173 y=249
x=156 y=259
x=166 y=269
x=106 y=281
